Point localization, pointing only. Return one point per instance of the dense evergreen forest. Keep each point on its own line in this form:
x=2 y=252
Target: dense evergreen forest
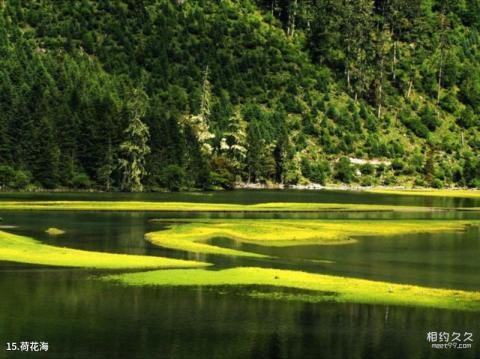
x=173 y=94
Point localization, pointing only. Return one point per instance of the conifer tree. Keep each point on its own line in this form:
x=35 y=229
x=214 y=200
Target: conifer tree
x=135 y=147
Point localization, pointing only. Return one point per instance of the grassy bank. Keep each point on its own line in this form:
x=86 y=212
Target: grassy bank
x=322 y=287
x=22 y=249
x=192 y=234
x=201 y=207
x=460 y=193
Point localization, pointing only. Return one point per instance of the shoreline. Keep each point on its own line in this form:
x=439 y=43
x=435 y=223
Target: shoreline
x=344 y=187
x=256 y=186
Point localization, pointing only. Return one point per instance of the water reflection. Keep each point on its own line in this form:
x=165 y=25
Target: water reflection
x=448 y=260
x=256 y=196
x=85 y=318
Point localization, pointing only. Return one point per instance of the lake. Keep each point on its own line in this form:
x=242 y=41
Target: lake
x=83 y=317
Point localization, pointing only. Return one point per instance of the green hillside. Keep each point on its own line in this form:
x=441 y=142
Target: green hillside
x=174 y=94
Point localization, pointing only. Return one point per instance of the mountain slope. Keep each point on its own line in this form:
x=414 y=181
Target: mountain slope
x=281 y=91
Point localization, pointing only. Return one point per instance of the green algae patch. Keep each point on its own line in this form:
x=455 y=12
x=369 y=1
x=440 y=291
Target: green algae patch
x=430 y=192
x=193 y=235
x=203 y=207
x=22 y=249
x=52 y=231
x=321 y=287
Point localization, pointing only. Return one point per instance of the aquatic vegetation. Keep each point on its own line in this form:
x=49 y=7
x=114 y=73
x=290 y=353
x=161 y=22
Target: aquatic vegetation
x=52 y=231
x=22 y=249
x=322 y=287
x=468 y=193
x=193 y=234
x=204 y=207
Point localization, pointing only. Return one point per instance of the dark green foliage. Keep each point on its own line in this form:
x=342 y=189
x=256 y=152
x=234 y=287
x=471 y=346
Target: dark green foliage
x=81 y=180
x=344 y=171
x=316 y=172
x=13 y=179
x=223 y=173
x=367 y=181
x=172 y=177
x=468 y=118
x=429 y=118
x=412 y=122
x=437 y=183
x=367 y=169
x=470 y=87
x=397 y=165
x=237 y=91
x=471 y=171
x=134 y=149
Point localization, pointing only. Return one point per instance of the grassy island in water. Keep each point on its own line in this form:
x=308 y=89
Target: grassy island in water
x=27 y=250
x=193 y=234
x=320 y=287
x=205 y=207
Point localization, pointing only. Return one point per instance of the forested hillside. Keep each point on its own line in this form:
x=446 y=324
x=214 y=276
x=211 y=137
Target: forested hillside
x=152 y=94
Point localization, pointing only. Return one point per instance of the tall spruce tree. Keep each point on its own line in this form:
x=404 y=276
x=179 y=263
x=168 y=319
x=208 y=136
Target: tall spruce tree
x=134 y=148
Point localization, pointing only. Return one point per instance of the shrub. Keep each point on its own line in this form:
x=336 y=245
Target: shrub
x=332 y=112
x=363 y=111
x=395 y=149
x=449 y=102
x=316 y=172
x=81 y=181
x=344 y=171
x=408 y=170
x=14 y=179
x=380 y=169
x=417 y=161
x=467 y=118
x=414 y=124
x=367 y=169
x=429 y=118
x=172 y=177
x=397 y=164
x=389 y=180
x=475 y=183
x=22 y=179
x=437 y=183
x=7 y=175
x=419 y=182
x=366 y=181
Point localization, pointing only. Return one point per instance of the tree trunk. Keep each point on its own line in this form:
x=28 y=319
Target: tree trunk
x=440 y=79
x=394 y=63
x=292 y=14
x=410 y=84
x=348 y=76
x=442 y=53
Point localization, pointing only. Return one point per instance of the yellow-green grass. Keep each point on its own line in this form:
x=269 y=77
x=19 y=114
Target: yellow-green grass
x=52 y=231
x=22 y=249
x=202 y=207
x=430 y=192
x=322 y=287
x=193 y=234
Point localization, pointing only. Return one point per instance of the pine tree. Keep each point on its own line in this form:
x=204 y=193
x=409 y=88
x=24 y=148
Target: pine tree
x=255 y=150
x=135 y=147
x=104 y=173
x=199 y=123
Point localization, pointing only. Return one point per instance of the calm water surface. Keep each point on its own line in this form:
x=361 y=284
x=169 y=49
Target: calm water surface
x=82 y=317
x=255 y=196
